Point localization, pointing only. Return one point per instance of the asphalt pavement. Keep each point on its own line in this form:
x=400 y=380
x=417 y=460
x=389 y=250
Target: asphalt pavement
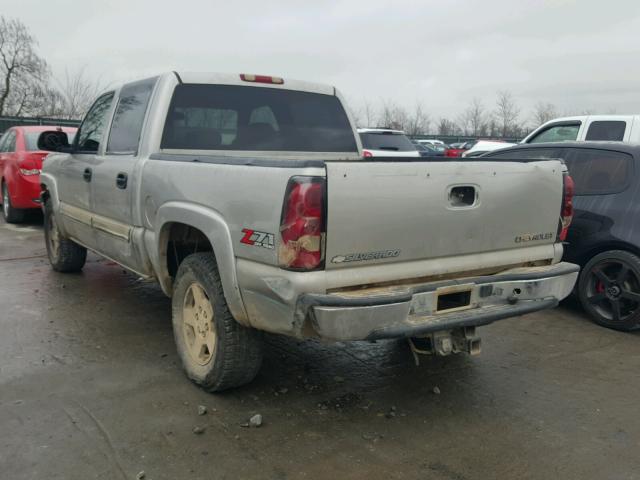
x=91 y=387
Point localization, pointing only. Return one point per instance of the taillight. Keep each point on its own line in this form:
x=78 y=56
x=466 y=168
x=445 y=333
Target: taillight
x=302 y=225
x=566 y=214
x=29 y=171
x=367 y=153
x=261 y=78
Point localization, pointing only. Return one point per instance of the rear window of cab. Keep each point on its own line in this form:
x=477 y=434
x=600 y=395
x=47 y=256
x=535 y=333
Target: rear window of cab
x=231 y=117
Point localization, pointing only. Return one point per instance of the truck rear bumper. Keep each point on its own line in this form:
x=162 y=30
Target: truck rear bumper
x=437 y=306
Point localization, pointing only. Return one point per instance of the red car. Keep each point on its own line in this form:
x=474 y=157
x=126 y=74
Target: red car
x=20 y=165
x=457 y=149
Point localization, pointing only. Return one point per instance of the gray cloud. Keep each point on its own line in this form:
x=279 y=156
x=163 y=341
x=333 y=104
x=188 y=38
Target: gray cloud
x=577 y=54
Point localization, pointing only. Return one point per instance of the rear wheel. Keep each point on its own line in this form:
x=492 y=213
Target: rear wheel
x=216 y=351
x=11 y=214
x=609 y=289
x=64 y=255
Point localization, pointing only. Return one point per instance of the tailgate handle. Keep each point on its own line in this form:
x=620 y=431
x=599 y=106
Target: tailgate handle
x=462 y=196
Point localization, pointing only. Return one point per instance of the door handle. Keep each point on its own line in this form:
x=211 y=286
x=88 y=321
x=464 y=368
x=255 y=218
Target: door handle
x=87 y=174
x=121 y=180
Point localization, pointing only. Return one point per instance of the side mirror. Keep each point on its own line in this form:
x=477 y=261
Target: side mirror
x=54 y=141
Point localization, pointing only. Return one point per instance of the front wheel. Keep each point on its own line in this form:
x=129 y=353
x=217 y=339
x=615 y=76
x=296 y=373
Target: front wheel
x=609 y=290
x=64 y=255
x=216 y=351
x=11 y=214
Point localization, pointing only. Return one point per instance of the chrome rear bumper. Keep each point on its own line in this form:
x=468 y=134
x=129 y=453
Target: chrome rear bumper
x=417 y=311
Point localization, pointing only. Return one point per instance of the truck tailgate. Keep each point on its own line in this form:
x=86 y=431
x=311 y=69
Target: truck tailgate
x=386 y=211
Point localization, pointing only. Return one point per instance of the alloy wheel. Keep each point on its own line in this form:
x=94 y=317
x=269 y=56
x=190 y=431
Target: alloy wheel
x=54 y=238
x=198 y=324
x=613 y=290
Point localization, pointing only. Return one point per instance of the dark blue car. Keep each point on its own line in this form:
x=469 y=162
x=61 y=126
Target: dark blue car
x=604 y=236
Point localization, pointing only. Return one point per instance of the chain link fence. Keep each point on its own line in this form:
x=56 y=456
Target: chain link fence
x=449 y=139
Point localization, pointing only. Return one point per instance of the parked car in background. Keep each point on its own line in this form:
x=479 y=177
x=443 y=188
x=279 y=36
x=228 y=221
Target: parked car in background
x=382 y=142
x=20 y=165
x=604 y=236
x=483 y=146
x=457 y=149
x=621 y=128
x=454 y=150
x=427 y=150
x=440 y=148
x=431 y=142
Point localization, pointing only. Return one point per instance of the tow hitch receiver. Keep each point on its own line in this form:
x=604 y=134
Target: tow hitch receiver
x=445 y=343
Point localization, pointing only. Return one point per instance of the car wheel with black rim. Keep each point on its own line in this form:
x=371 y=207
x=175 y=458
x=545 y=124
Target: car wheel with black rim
x=609 y=289
x=11 y=214
x=216 y=351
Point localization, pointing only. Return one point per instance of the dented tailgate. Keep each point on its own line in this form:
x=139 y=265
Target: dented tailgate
x=386 y=211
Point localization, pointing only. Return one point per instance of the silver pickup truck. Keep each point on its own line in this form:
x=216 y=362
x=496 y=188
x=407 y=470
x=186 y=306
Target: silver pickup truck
x=248 y=199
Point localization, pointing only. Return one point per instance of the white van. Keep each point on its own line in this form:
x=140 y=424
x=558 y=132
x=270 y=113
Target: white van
x=620 y=128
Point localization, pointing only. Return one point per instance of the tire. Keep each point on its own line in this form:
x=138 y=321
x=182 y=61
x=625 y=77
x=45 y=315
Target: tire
x=11 y=214
x=64 y=255
x=217 y=352
x=609 y=290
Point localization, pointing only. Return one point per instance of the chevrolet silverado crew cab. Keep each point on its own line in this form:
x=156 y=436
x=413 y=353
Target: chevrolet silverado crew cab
x=248 y=199
x=618 y=128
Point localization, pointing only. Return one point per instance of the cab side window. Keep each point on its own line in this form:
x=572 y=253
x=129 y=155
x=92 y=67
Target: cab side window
x=90 y=134
x=607 y=130
x=557 y=133
x=126 y=127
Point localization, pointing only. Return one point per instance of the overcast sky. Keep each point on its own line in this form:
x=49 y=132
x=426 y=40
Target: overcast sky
x=579 y=55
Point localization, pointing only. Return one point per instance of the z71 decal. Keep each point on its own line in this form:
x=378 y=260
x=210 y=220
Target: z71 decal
x=258 y=239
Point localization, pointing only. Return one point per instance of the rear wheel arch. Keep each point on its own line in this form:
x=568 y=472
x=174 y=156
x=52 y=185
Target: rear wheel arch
x=187 y=229
x=607 y=246
x=45 y=195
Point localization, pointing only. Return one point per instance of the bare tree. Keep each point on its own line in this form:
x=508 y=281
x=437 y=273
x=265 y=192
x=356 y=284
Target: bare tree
x=386 y=114
x=507 y=113
x=19 y=64
x=473 y=118
x=543 y=112
x=393 y=116
x=447 y=127
x=31 y=97
x=492 y=128
x=369 y=114
x=78 y=91
x=418 y=122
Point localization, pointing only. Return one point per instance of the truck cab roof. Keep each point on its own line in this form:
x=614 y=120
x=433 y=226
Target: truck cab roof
x=388 y=131
x=247 y=79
